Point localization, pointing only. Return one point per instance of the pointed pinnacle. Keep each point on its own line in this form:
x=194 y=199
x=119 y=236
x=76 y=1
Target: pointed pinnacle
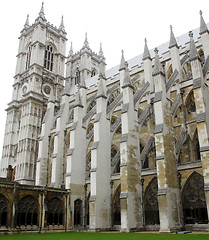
x=172 y=42
x=61 y=27
x=86 y=44
x=100 y=51
x=157 y=67
x=41 y=13
x=193 y=50
x=27 y=22
x=122 y=62
x=146 y=54
x=203 y=26
x=71 y=50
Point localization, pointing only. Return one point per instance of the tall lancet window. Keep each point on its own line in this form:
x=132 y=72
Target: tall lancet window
x=28 y=57
x=48 y=58
x=77 y=76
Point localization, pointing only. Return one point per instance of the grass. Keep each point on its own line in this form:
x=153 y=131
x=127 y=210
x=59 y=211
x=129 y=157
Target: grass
x=104 y=236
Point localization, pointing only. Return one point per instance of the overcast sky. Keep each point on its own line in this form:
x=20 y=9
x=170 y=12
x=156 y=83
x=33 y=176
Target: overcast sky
x=118 y=24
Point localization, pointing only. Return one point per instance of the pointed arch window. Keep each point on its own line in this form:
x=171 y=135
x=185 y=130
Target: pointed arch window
x=49 y=58
x=28 y=57
x=55 y=212
x=116 y=215
x=27 y=211
x=151 y=204
x=202 y=56
x=194 y=202
x=93 y=73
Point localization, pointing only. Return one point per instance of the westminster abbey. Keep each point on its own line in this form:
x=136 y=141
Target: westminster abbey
x=124 y=149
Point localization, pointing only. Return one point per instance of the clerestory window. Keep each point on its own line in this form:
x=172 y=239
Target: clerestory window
x=48 y=58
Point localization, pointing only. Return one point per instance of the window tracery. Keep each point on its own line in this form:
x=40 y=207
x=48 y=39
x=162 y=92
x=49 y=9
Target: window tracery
x=27 y=211
x=49 y=57
x=4 y=211
x=55 y=212
x=116 y=207
x=194 y=202
x=77 y=76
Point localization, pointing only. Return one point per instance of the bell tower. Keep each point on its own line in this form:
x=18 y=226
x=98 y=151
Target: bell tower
x=84 y=64
x=39 y=74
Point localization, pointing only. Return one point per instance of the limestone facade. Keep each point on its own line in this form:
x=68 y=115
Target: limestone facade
x=125 y=148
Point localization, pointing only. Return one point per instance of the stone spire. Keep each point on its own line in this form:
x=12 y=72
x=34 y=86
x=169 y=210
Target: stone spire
x=78 y=102
x=27 y=22
x=193 y=50
x=146 y=54
x=86 y=44
x=157 y=67
x=41 y=13
x=172 y=42
x=61 y=27
x=127 y=79
x=71 y=50
x=122 y=62
x=101 y=54
x=203 y=26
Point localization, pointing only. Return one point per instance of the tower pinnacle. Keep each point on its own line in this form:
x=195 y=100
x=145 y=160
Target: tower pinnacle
x=122 y=62
x=86 y=44
x=41 y=13
x=27 y=22
x=203 y=26
x=62 y=27
x=146 y=51
x=193 y=50
x=172 y=42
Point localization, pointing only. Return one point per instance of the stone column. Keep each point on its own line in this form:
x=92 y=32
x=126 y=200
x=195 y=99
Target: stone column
x=100 y=217
x=76 y=156
x=131 y=209
x=168 y=187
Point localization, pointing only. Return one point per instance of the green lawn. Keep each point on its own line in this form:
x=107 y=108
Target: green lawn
x=103 y=236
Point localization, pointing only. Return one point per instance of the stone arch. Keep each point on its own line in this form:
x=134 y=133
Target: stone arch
x=116 y=213
x=78 y=212
x=55 y=212
x=27 y=211
x=194 y=202
x=190 y=106
x=4 y=211
x=151 y=209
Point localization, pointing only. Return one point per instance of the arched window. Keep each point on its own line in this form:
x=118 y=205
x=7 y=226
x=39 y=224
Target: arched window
x=116 y=216
x=28 y=57
x=55 y=212
x=151 y=204
x=48 y=58
x=78 y=212
x=194 y=203
x=115 y=159
x=27 y=211
x=4 y=211
x=77 y=76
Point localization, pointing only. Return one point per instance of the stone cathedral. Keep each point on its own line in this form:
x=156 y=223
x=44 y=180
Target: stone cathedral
x=87 y=148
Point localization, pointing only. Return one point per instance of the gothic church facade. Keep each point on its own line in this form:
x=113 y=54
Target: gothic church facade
x=124 y=149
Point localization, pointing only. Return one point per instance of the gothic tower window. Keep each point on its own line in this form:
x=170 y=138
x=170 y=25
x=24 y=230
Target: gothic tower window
x=48 y=58
x=28 y=57
x=151 y=204
x=194 y=202
x=77 y=76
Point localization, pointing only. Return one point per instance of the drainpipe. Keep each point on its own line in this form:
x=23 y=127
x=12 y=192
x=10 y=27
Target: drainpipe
x=111 y=206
